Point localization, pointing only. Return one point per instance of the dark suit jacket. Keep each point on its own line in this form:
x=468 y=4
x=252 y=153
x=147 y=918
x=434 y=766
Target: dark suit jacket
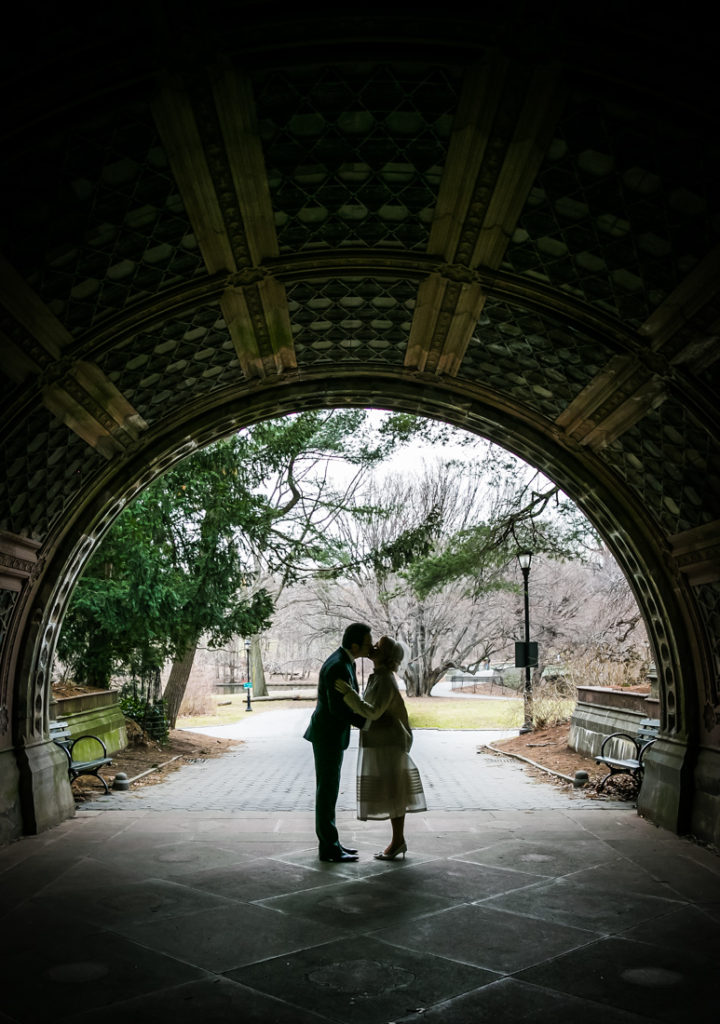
x=331 y=720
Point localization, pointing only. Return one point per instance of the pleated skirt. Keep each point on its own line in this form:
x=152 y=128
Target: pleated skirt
x=388 y=784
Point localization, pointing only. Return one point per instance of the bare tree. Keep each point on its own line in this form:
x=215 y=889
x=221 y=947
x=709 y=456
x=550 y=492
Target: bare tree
x=436 y=568
x=585 y=619
x=430 y=558
x=411 y=519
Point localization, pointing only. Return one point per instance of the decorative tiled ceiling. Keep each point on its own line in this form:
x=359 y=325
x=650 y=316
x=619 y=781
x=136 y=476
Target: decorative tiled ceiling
x=354 y=155
x=44 y=466
x=185 y=358
x=531 y=358
x=312 y=191
x=110 y=228
x=673 y=464
x=351 y=319
x=625 y=204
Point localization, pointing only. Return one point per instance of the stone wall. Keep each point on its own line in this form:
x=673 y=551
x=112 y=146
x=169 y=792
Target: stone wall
x=601 y=711
x=98 y=714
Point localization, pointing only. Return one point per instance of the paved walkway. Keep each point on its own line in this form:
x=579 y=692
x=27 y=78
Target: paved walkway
x=201 y=899
x=272 y=770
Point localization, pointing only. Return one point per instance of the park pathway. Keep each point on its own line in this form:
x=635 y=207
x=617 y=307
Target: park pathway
x=272 y=770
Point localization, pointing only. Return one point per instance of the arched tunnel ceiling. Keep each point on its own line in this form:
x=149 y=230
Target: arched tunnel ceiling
x=523 y=213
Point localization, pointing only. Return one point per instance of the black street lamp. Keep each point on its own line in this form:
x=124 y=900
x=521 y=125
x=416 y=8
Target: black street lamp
x=529 y=656
x=248 y=684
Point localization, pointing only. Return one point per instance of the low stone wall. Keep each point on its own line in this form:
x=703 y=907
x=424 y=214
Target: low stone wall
x=96 y=713
x=631 y=700
x=601 y=711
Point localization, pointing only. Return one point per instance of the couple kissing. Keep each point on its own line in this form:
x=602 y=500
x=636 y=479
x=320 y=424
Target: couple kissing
x=388 y=782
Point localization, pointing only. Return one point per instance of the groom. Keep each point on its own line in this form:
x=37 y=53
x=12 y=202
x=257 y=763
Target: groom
x=329 y=733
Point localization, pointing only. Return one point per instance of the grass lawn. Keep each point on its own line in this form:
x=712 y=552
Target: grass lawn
x=232 y=708
x=424 y=712
x=464 y=713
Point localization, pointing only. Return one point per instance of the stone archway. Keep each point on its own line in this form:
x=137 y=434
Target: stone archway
x=669 y=804
x=480 y=228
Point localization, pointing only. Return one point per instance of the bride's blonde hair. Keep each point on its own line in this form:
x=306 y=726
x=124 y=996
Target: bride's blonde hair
x=395 y=655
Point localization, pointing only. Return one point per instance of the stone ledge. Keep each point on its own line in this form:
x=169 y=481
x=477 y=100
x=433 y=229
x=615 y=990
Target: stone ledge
x=96 y=713
x=591 y=723
x=607 y=696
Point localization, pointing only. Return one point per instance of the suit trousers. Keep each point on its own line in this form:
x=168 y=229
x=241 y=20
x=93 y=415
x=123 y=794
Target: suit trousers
x=328 y=764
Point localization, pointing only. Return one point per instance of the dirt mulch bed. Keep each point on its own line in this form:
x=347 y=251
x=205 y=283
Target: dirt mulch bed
x=72 y=690
x=549 y=748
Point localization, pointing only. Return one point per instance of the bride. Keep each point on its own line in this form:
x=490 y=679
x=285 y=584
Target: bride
x=388 y=783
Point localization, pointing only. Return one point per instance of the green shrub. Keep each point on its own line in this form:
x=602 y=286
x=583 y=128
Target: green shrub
x=151 y=715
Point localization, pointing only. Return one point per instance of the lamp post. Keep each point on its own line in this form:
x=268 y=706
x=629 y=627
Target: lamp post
x=248 y=684
x=525 y=558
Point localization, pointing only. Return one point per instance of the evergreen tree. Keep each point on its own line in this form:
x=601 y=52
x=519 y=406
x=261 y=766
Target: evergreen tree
x=208 y=547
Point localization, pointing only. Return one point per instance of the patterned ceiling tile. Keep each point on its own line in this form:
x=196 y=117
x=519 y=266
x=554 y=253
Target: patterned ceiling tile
x=350 y=320
x=531 y=357
x=354 y=156
x=187 y=357
x=43 y=465
x=673 y=466
x=31 y=349
x=625 y=205
x=92 y=216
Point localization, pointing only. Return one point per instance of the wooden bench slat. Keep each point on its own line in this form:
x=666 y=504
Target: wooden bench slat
x=620 y=763
x=78 y=766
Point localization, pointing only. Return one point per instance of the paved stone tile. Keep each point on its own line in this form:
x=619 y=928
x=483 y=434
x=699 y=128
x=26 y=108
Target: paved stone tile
x=168 y=896
x=369 y=984
x=357 y=906
x=492 y=939
x=258 y=880
x=653 y=981
x=619 y=875
x=41 y=960
x=538 y=856
x=171 y=857
x=672 y=865
x=458 y=880
x=567 y=901
x=211 y=1001
x=513 y=1001
x=273 y=770
x=684 y=928
x=221 y=940
x=126 y=902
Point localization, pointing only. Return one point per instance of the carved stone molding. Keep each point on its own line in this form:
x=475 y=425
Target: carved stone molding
x=697 y=553
x=18 y=560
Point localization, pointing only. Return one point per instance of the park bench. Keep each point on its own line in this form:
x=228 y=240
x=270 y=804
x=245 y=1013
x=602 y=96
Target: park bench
x=646 y=735
x=60 y=734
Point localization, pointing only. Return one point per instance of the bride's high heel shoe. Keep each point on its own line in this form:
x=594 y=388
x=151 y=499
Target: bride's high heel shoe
x=394 y=852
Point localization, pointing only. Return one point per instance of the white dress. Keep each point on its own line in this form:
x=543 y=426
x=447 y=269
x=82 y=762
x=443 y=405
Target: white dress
x=388 y=782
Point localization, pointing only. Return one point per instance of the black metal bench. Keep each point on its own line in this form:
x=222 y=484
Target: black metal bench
x=646 y=735
x=60 y=734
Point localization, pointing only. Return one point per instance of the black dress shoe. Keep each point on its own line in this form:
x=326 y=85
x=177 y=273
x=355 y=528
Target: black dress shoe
x=347 y=849
x=338 y=857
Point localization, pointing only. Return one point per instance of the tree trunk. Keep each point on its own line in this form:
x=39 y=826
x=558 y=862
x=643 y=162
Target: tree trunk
x=257 y=672
x=177 y=683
